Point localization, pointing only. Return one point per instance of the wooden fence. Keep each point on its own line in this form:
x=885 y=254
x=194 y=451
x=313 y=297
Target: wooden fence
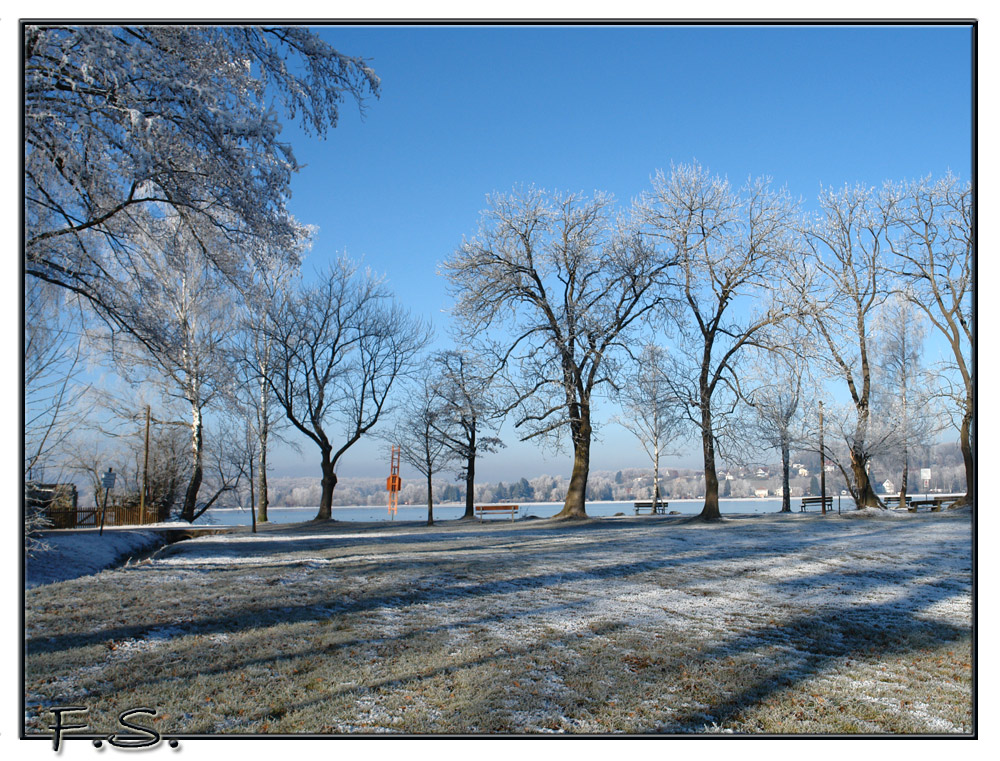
x=116 y=515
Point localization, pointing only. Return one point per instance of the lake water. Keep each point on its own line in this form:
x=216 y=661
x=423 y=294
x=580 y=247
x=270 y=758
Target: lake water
x=236 y=517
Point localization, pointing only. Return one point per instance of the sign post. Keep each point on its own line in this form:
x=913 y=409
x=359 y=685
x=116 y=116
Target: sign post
x=925 y=476
x=108 y=482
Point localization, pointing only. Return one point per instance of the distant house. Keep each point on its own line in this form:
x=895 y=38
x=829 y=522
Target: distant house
x=804 y=472
x=761 y=473
x=779 y=492
x=889 y=486
x=760 y=492
x=828 y=469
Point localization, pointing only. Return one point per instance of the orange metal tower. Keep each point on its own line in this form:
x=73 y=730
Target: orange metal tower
x=393 y=483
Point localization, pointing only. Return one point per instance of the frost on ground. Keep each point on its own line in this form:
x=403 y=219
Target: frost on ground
x=72 y=554
x=772 y=624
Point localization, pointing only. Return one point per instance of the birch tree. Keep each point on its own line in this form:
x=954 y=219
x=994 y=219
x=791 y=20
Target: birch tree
x=123 y=124
x=932 y=237
x=650 y=411
x=179 y=309
x=844 y=282
x=551 y=289
x=338 y=348
x=734 y=248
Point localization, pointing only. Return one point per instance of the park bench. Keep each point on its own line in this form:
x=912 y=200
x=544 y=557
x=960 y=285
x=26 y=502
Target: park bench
x=934 y=503
x=482 y=510
x=814 y=501
x=894 y=501
x=641 y=507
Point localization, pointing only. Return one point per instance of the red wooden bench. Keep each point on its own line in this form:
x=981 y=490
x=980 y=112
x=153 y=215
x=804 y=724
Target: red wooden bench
x=482 y=510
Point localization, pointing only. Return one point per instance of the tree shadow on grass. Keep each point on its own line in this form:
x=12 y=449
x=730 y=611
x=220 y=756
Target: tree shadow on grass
x=810 y=643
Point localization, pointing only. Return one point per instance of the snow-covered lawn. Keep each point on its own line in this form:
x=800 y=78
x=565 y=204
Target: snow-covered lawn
x=794 y=623
x=70 y=554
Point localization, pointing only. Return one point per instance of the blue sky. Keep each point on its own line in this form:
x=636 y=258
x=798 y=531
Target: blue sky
x=465 y=111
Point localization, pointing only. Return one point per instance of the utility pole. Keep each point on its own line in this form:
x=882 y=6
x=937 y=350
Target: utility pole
x=822 y=462
x=145 y=473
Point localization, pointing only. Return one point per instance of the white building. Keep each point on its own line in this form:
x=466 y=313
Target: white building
x=760 y=492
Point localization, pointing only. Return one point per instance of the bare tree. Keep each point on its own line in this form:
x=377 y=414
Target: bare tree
x=844 y=283
x=338 y=347
x=418 y=423
x=932 y=235
x=650 y=411
x=464 y=390
x=904 y=383
x=253 y=362
x=775 y=397
x=52 y=363
x=179 y=310
x=734 y=248
x=553 y=287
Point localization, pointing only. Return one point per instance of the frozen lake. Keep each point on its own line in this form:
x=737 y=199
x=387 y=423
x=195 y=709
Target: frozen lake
x=451 y=511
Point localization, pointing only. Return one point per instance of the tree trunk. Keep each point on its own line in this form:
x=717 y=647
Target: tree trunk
x=262 y=480
x=470 y=489
x=864 y=495
x=194 y=484
x=470 y=479
x=656 y=478
x=253 y=506
x=906 y=441
x=786 y=498
x=576 y=495
x=902 y=485
x=965 y=441
x=430 y=500
x=710 y=512
x=329 y=483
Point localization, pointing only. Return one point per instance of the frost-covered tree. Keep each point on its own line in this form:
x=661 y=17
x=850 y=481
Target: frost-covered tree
x=338 y=347
x=52 y=365
x=932 y=237
x=775 y=396
x=417 y=434
x=180 y=311
x=552 y=288
x=844 y=282
x=122 y=122
x=904 y=384
x=467 y=407
x=650 y=411
x=253 y=362
x=734 y=247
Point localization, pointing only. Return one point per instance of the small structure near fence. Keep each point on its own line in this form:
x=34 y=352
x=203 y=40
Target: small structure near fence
x=57 y=502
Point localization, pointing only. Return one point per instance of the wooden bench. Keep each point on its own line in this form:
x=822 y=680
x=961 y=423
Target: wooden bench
x=934 y=503
x=813 y=501
x=894 y=501
x=482 y=510
x=640 y=507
